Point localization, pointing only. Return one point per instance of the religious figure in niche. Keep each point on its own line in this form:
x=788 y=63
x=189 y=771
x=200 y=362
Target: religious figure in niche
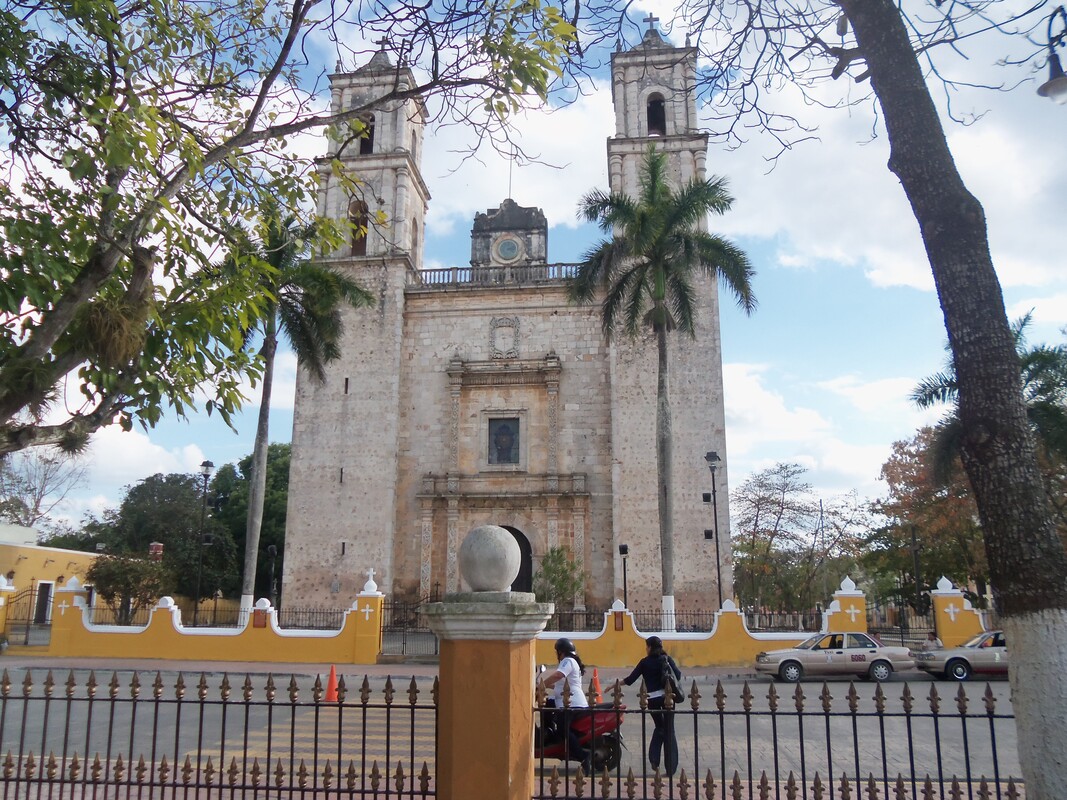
x=503 y=441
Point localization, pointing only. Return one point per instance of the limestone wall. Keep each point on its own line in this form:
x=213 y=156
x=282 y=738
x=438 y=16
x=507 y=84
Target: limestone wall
x=340 y=516
x=441 y=328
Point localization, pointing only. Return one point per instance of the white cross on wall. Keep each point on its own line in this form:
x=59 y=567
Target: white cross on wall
x=63 y=608
x=853 y=612
x=952 y=611
x=366 y=611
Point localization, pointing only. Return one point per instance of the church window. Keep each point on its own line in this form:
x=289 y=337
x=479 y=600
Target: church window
x=342 y=478
x=346 y=385
x=657 y=116
x=504 y=440
x=366 y=143
x=359 y=217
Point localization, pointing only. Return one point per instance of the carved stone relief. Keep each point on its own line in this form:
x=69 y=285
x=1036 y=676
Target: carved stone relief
x=426 y=564
x=452 y=563
x=504 y=337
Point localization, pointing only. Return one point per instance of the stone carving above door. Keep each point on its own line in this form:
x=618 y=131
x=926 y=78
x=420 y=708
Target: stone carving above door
x=504 y=337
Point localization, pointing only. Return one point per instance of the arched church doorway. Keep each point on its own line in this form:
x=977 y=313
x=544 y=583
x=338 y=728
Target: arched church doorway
x=524 y=580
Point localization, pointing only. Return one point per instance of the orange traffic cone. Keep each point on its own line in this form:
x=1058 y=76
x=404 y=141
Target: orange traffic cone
x=331 y=685
x=597 y=694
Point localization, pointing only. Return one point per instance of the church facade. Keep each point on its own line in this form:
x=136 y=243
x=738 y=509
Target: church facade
x=478 y=394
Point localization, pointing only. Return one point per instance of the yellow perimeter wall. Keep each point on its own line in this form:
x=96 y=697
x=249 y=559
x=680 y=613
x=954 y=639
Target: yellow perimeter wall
x=359 y=641
x=730 y=642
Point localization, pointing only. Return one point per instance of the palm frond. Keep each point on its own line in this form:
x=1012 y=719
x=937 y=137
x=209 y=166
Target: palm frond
x=607 y=210
x=595 y=270
x=726 y=262
x=681 y=299
x=937 y=389
x=944 y=449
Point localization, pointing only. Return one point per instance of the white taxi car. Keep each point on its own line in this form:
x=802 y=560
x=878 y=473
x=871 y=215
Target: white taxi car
x=836 y=654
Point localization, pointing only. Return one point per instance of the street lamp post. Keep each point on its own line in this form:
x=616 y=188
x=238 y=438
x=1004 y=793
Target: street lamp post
x=624 y=550
x=713 y=464
x=1055 y=88
x=205 y=472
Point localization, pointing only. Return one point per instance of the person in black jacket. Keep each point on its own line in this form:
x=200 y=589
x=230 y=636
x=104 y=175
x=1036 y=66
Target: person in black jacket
x=651 y=668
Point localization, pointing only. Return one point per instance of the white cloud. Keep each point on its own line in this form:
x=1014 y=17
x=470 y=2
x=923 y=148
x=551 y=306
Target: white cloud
x=757 y=416
x=116 y=459
x=841 y=453
x=884 y=399
x=568 y=143
x=1049 y=315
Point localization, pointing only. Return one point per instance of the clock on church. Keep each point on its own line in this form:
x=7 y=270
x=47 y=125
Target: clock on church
x=507 y=248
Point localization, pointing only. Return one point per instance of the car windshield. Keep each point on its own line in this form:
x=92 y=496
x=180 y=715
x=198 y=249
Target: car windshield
x=808 y=644
x=976 y=641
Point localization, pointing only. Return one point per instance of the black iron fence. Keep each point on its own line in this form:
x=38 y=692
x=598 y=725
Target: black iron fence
x=591 y=620
x=405 y=632
x=292 y=618
x=898 y=624
x=28 y=613
x=809 y=742
x=139 y=736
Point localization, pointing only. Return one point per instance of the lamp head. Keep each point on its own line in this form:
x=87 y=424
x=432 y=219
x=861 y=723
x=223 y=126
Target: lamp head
x=713 y=460
x=624 y=550
x=206 y=468
x=1055 y=88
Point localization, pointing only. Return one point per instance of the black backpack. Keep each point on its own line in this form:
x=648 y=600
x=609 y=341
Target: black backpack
x=670 y=681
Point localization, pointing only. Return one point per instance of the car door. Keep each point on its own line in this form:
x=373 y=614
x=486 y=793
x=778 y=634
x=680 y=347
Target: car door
x=992 y=657
x=828 y=657
x=860 y=650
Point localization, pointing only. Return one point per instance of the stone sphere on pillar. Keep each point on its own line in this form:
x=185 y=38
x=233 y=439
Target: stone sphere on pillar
x=489 y=559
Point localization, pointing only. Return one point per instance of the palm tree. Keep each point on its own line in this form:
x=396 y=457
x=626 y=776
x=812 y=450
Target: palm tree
x=646 y=275
x=1044 y=374
x=306 y=310
x=1044 y=377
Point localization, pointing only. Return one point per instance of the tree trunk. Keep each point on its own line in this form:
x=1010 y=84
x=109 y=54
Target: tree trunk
x=663 y=478
x=257 y=481
x=1028 y=565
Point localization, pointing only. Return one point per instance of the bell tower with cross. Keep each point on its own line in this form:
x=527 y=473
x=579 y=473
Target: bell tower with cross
x=379 y=188
x=654 y=95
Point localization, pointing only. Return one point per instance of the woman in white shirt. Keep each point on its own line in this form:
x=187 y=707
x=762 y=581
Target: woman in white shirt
x=569 y=673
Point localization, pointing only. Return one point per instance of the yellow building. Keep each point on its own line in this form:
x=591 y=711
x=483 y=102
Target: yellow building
x=30 y=573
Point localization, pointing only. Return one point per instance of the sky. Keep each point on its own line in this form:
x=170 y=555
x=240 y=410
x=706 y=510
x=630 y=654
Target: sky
x=848 y=321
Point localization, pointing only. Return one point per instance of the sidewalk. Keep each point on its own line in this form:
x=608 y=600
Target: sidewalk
x=107 y=665
x=608 y=675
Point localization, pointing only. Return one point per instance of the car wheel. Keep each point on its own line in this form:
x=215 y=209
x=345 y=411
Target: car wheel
x=606 y=753
x=880 y=671
x=790 y=672
x=958 y=670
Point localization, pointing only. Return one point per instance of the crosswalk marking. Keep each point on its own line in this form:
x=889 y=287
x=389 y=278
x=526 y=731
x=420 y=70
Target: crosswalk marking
x=382 y=742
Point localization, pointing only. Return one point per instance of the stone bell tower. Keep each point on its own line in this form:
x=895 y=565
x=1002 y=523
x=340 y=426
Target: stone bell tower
x=654 y=94
x=343 y=471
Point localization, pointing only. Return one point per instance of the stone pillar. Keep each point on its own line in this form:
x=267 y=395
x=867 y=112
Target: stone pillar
x=367 y=615
x=848 y=611
x=485 y=701
x=955 y=620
